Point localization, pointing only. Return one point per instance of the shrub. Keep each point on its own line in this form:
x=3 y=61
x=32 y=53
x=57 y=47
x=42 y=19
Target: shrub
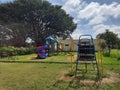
x=106 y=54
x=118 y=58
x=12 y=51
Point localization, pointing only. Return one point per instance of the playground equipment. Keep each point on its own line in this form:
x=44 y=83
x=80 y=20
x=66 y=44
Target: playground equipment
x=42 y=51
x=48 y=49
x=99 y=58
x=71 y=55
x=60 y=47
x=50 y=44
x=86 y=58
x=56 y=44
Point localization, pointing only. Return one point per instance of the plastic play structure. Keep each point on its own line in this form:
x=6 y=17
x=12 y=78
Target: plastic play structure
x=86 y=58
x=49 y=47
x=41 y=50
x=50 y=44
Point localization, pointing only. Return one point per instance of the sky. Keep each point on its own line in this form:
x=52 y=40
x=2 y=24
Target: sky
x=92 y=16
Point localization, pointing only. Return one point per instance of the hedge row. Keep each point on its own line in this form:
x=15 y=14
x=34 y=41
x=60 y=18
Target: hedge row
x=12 y=51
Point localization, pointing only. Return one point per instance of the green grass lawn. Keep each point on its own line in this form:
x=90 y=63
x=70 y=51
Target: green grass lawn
x=46 y=76
x=31 y=76
x=31 y=58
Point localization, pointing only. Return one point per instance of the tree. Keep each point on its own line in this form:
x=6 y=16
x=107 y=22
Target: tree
x=18 y=34
x=40 y=17
x=103 y=44
x=110 y=38
x=118 y=44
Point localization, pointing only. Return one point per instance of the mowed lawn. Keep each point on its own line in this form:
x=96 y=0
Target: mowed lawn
x=45 y=74
x=32 y=76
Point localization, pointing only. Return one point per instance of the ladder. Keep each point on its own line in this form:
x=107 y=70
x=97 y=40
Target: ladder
x=86 y=59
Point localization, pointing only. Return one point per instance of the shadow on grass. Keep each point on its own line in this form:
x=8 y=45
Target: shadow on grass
x=78 y=83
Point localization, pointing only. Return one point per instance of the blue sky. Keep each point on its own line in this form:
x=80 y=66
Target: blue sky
x=92 y=16
x=5 y=0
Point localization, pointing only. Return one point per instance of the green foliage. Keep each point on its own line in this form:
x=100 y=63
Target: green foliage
x=40 y=17
x=115 y=54
x=118 y=44
x=103 y=45
x=12 y=51
x=118 y=58
x=111 y=40
x=106 y=53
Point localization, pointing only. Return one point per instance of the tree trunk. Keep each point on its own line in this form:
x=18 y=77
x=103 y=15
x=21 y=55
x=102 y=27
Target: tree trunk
x=109 y=51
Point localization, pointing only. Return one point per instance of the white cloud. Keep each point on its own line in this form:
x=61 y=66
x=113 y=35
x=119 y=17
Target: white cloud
x=110 y=10
x=93 y=12
x=96 y=13
x=71 y=5
x=92 y=17
x=76 y=34
x=94 y=9
x=75 y=21
x=89 y=11
x=97 y=20
x=101 y=28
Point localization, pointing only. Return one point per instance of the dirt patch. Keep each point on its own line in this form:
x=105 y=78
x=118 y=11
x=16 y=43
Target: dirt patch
x=32 y=58
x=113 y=78
x=2 y=89
x=66 y=78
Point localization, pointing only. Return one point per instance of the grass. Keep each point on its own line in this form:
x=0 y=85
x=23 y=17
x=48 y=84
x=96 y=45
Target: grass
x=45 y=76
x=115 y=54
x=31 y=58
x=32 y=76
x=112 y=62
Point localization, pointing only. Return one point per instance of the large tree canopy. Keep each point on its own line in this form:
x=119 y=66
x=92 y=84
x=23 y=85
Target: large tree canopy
x=36 y=19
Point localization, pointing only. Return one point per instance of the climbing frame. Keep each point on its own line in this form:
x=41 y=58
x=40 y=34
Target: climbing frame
x=86 y=58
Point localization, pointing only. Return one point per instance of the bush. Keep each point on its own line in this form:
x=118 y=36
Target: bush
x=115 y=53
x=12 y=51
x=118 y=58
x=106 y=54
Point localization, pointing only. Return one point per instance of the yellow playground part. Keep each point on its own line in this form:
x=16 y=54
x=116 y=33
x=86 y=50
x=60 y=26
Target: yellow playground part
x=99 y=57
x=71 y=56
